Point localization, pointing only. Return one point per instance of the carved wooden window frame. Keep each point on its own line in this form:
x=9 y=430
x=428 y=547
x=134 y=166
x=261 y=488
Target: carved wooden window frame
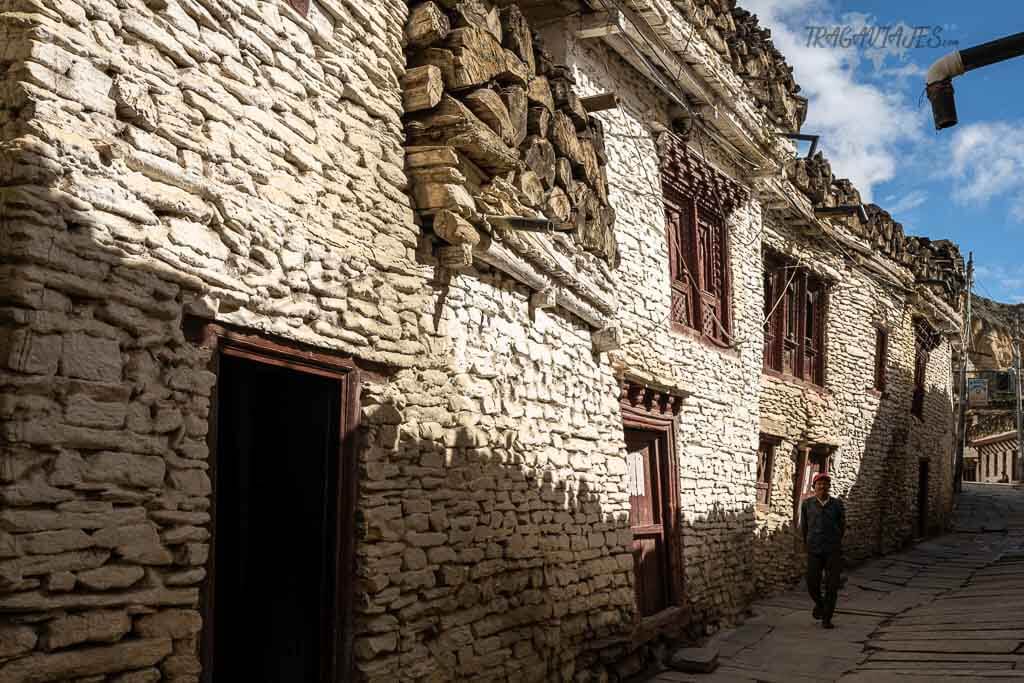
x=699 y=268
x=926 y=340
x=796 y=314
x=698 y=201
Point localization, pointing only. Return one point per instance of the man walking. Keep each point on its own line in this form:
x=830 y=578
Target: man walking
x=822 y=524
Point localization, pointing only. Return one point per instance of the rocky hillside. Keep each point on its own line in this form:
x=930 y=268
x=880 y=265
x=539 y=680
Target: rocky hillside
x=992 y=333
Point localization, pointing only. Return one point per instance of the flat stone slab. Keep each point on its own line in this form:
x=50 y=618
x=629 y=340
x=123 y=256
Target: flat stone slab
x=694 y=659
x=978 y=634
x=938 y=645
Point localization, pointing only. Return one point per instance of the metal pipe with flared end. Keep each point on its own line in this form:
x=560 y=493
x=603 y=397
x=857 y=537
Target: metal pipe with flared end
x=939 y=79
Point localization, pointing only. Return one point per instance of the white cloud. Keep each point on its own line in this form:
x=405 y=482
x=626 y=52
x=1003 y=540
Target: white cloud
x=987 y=162
x=906 y=203
x=861 y=124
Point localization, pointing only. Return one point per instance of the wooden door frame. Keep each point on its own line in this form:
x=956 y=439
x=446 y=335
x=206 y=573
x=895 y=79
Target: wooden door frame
x=805 y=451
x=223 y=340
x=923 y=467
x=648 y=410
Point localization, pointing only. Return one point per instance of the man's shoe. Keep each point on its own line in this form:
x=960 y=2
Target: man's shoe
x=817 y=612
x=827 y=624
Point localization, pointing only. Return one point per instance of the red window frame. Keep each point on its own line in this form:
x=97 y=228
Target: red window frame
x=699 y=267
x=795 y=310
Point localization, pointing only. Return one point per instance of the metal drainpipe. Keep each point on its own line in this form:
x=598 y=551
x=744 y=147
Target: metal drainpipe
x=939 y=79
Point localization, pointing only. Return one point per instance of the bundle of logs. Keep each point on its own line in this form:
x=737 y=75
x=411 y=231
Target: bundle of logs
x=496 y=131
x=937 y=263
x=736 y=35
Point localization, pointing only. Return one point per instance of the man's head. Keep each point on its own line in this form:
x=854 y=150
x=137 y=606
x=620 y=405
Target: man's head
x=821 y=483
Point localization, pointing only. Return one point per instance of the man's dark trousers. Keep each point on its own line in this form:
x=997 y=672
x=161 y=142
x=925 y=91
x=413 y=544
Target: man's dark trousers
x=831 y=564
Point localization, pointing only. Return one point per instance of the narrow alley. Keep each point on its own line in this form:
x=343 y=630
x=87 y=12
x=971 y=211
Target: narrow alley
x=948 y=608
x=507 y=341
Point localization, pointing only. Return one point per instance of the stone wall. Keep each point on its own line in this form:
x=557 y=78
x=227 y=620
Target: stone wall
x=496 y=540
x=232 y=160
x=241 y=163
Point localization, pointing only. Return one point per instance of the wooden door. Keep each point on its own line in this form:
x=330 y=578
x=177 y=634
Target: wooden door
x=922 y=499
x=649 y=513
x=810 y=462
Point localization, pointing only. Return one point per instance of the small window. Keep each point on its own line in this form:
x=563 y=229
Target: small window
x=881 y=357
x=765 y=465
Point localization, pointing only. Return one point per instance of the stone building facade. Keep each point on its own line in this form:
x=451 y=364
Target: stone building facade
x=379 y=313
x=881 y=422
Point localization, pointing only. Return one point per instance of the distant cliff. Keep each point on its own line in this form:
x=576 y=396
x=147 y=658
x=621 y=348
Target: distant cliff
x=992 y=333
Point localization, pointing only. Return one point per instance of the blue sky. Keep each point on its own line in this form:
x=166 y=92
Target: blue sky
x=965 y=183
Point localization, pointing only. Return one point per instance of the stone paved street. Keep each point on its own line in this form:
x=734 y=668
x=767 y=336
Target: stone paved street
x=948 y=608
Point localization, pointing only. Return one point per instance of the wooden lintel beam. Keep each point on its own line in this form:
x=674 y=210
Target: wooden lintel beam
x=606 y=339
x=543 y=299
x=598 y=25
x=602 y=102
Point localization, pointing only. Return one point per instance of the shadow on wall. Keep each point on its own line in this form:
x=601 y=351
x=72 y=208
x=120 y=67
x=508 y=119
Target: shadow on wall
x=492 y=566
x=720 y=587
x=885 y=511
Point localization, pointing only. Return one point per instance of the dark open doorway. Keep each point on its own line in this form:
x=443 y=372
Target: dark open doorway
x=276 y=490
x=276 y=605
x=922 y=499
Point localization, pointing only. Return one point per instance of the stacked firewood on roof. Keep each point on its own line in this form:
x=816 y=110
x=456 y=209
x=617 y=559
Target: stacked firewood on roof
x=495 y=129
x=936 y=262
x=736 y=35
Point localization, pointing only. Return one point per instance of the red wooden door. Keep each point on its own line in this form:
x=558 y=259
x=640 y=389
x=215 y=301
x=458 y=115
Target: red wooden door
x=648 y=512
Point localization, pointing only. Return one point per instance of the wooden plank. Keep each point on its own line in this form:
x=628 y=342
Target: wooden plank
x=454 y=229
x=600 y=102
x=489 y=108
x=599 y=25
x=427 y=25
x=422 y=87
